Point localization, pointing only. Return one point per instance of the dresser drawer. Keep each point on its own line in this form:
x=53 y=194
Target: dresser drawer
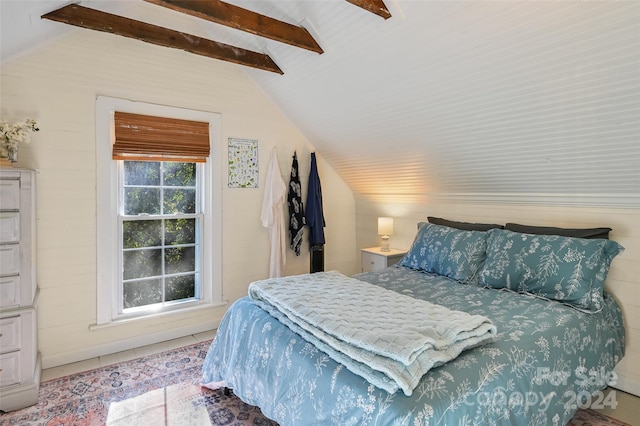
x=9 y=194
x=9 y=259
x=9 y=227
x=9 y=369
x=10 y=336
x=9 y=291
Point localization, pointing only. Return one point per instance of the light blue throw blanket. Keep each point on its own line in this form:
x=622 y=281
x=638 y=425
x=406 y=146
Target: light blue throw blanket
x=388 y=338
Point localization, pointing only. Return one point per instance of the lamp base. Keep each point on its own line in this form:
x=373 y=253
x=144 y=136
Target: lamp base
x=385 y=243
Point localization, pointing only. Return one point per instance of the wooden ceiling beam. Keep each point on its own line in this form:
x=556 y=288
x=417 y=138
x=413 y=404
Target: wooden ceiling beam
x=374 y=6
x=85 y=17
x=246 y=20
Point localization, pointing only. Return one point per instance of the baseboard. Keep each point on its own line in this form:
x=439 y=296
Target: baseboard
x=126 y=344
x=627 y=384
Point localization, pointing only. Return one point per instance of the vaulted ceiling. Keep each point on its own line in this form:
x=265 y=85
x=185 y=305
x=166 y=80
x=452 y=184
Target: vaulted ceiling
x=465 y=98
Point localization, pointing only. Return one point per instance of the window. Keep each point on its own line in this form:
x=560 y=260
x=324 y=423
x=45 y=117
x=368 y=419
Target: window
x=161 y=224
x=158 y=211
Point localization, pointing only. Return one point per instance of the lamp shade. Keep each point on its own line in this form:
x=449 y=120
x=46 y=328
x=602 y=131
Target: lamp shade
x=385 y=226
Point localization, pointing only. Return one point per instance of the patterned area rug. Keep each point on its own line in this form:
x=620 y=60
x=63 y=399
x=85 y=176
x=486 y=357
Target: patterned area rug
x=160 y=389
x=590 y=417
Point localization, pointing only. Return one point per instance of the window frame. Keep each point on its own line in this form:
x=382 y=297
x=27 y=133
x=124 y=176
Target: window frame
x=108 y=226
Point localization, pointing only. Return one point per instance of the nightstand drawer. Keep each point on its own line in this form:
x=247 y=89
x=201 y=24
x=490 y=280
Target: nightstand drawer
x=374 y=259
x=372 y=262
x=9 y=368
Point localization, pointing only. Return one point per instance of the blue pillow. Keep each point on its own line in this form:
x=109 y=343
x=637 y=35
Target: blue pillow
x=447 y=251
x=570 y=270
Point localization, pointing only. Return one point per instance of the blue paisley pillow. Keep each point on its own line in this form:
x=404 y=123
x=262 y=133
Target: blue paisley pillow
x=447 y=251
x=570 y=270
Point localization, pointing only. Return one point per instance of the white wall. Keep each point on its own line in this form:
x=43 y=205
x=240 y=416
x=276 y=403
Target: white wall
x=57 y=85
x=624 y=277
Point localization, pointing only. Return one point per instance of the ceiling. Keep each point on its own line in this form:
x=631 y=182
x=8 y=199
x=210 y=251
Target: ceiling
x=470 y=99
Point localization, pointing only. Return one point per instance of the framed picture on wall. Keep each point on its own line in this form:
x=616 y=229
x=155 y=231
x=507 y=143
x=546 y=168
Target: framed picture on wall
x=243 y=163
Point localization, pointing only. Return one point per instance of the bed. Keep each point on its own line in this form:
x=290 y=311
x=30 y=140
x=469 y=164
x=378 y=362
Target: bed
x=559 y=336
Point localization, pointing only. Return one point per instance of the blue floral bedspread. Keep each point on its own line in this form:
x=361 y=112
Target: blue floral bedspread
x=547 y=361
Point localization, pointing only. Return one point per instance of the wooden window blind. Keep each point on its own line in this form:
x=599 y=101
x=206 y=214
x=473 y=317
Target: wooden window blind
x=149 y=138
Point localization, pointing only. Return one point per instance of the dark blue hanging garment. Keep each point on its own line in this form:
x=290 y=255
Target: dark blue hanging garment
x=314 y=214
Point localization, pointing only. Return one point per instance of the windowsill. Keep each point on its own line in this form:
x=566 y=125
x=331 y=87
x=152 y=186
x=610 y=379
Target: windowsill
x=128 y=320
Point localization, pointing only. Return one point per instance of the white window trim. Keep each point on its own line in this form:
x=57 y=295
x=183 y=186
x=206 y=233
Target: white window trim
x=107 y=199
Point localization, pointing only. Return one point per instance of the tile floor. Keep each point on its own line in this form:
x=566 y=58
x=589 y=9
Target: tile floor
x=627 y=409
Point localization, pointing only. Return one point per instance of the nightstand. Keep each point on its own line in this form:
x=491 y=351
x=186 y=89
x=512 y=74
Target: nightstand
x=374 y=260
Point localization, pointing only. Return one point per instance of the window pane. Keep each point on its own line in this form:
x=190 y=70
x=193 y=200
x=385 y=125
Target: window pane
x=179 y=201
x=142 y=233
x=142 y=173
x=180 y=231
x=141 y=200
x=153 y=250
x=179 y=174
x=142 y=263
x=182 y=287
x=140 y=293
x=180 y=259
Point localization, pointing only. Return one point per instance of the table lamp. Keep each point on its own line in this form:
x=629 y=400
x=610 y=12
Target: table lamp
x=385 y=228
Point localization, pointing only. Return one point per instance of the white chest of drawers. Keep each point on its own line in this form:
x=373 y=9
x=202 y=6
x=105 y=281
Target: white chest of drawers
x=19 y=358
